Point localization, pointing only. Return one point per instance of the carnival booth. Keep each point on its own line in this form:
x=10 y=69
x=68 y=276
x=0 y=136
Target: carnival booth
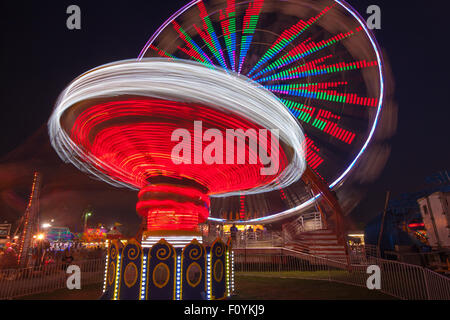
x=59 y=238
x=94 y=238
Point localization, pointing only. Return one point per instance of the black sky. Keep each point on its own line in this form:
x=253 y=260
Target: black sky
x=40 y=56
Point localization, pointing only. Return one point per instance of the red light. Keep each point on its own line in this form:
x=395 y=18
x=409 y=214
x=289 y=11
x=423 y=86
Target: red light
x=131 y=141
x=173 y=207
x=416 y=225
x=242 y=207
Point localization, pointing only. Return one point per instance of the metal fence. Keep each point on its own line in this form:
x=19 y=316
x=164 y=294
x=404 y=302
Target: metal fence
x=400 y=280
x=16 y=283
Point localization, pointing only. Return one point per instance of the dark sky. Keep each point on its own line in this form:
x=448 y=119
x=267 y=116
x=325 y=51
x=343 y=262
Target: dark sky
x=40 y=56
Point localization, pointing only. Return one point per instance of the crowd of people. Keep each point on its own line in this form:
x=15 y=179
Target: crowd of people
x=72 y=254
x=8 y=258
x=248 y=233
x=45 y=255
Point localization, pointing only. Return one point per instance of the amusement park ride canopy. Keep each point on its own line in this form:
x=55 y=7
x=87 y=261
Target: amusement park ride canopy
x=118 y=122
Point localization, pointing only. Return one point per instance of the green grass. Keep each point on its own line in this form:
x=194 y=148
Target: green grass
x=313 y=275
x=90 y=292
x=257 y=286
x=269 y=287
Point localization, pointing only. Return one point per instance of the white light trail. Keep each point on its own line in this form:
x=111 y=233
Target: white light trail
x=181 y=81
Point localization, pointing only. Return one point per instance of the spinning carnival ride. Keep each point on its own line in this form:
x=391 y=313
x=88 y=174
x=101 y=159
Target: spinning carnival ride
x=264 y=69
x=122 y=123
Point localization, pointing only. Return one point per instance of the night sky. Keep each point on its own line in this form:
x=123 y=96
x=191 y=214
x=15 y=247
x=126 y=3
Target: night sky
x=40 y=56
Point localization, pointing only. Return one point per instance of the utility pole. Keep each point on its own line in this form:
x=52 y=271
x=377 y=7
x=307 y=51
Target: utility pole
x=388 y=194
x=87 y=214
x=433 y=221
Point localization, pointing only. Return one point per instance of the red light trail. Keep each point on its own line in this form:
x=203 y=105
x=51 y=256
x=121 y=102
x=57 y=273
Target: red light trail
x=122 y=123
x=133 y=137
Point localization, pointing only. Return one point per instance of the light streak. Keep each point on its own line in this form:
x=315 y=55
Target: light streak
x=176 y=81
x=302 y=49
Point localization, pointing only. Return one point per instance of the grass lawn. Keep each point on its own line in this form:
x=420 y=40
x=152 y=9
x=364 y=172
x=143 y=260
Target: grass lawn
x=255 y=286
x=267 y=287
x=90 y=292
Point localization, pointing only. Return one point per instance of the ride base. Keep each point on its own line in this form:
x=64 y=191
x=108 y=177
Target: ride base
x=171 y=269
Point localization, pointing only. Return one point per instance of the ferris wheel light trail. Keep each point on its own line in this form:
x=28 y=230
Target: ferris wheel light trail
x=288 y=36
x=315 y=63
x=163 y=80
x=381 y=100
x=310 y=202
x=305 y=49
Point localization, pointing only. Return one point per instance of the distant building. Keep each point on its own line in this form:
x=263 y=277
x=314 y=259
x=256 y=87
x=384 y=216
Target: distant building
x=434 y=209
x=405 y=223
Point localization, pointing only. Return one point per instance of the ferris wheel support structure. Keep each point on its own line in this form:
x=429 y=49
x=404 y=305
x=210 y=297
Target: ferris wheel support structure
x=329 y=197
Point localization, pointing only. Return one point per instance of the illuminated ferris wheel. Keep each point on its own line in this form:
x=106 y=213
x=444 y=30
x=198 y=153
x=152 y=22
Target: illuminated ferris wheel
x=317 y=57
